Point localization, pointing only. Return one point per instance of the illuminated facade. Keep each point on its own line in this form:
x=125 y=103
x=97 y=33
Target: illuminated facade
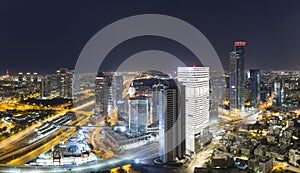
x=157 y=101
x=196 y=82
x=254 y=87
x=138 y=114
x=171 y=122
x=99 y=94
x=117 y=92
x=278 y=92
x=64 y=82
x=237 y=78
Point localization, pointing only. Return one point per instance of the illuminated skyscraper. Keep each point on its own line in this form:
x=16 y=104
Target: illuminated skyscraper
x=171 y=121
x=28 y=80
x=196 y=82
x=47 y=85
x=99 y=94
x=254 y=87
x=278 y=92
x=117 y=86
x=138 y=114
x=35 y=79
x=64 y=82
x=20 y=79
x=157 y=102
x=237 y=78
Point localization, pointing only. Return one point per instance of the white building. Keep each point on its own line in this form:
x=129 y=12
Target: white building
x=196 y=82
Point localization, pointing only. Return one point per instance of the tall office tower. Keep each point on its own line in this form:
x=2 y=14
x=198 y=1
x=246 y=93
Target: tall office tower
x=138 y=114
x=104 y=104
x=278 y=92
x=20 y=79
x=64 y=82
x=99 y=94
x=196 y=82
x=217 y=91
x=117 y=85
x=171 y=121
x=109 y=95
x=254 y=87
x=157 y=102
x=237 y=78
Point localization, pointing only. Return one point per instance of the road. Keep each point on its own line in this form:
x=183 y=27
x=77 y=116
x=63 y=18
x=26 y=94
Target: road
x=285 y=166
x=58 y=136
x=17 y=144
x=95 y=140
x=200 y=158
x=143 y=153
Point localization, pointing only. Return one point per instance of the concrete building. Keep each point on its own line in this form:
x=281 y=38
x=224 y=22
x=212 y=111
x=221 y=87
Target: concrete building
x=221 y=160
x=265 y=164
x=294 y=156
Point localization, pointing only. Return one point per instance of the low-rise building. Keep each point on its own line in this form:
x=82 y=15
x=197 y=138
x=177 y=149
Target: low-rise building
x=253 y=164
x=245 y=151
x=271 y=139
x=265 y=164
x=261 y=150
x=234 y=149
x=294 y=156
x=221 y=160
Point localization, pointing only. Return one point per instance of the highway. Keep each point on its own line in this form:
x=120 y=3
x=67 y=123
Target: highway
x=141 y=153
x=55 y=138
x=16 y=145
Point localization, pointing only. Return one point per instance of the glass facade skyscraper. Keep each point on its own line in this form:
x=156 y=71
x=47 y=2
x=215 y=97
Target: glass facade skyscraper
x=171 y=121
x=237 y=78
x=138 y=114
x=254 y=87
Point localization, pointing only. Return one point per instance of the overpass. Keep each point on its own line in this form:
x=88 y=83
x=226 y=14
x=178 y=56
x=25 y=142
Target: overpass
x=155 y=129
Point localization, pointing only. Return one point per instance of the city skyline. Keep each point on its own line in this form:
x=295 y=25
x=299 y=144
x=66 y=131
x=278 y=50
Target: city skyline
x=150 y=86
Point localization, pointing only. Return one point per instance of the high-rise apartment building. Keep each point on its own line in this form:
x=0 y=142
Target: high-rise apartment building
x=64 y=82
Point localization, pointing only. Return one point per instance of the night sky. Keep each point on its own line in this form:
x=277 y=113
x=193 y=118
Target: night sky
x=42 y=36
